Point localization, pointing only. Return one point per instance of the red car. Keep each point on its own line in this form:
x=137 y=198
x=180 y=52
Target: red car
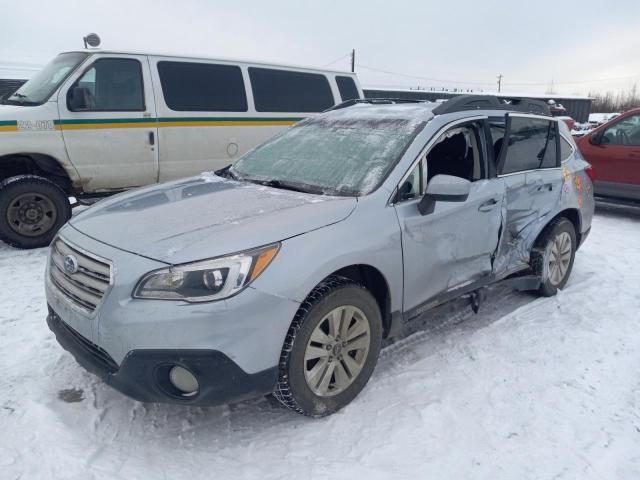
x=613 y=149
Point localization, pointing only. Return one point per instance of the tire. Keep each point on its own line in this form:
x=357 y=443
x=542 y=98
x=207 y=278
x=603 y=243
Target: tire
x=346 y=299
x=32 y=210
x=558 y=236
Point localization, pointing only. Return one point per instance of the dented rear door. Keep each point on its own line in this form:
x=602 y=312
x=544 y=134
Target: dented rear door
x=528 y=166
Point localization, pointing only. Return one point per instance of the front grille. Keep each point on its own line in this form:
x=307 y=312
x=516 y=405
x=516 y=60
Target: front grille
x=87 y=285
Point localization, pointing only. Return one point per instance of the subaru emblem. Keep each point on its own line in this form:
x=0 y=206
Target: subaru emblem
x=70 y=264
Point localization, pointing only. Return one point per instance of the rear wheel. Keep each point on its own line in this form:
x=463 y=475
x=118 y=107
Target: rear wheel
x=32 y=210
x=331 y=348
x=553 y=256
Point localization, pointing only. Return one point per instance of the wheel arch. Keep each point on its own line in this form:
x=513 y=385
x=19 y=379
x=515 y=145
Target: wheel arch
x=39 y=164
x=376 y=283
x=571 y=214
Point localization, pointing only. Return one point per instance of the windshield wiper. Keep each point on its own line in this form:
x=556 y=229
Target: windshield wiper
x=19 y=99
x=293 y=186
x=227 y=173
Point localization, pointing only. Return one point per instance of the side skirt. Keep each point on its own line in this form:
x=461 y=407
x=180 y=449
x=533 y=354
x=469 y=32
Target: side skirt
x=471 y=296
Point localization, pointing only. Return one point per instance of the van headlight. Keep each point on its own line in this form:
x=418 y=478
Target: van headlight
x=206 y=280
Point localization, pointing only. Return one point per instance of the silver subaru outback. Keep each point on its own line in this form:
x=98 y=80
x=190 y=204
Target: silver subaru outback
x=283 y=273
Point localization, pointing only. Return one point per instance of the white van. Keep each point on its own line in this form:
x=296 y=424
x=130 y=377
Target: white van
x=95 y=122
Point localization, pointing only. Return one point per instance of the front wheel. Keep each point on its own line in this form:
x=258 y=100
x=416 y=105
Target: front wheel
x=32 y=210
x=553 y=257
x=331 y=348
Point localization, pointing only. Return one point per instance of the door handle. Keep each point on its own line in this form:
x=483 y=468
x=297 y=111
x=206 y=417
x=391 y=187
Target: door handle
x=488 y=205
x=152 y=138
x=546 y=186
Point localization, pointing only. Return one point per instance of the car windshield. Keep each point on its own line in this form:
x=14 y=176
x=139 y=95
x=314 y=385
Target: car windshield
x=348 y=156
x=40 y=87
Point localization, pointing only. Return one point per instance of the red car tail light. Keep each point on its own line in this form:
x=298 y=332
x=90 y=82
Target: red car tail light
x=591 y=173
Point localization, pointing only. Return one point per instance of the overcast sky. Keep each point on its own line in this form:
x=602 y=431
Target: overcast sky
x=582 y=45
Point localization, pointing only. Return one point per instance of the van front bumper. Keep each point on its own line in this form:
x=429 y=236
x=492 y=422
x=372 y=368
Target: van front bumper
x=143 y=374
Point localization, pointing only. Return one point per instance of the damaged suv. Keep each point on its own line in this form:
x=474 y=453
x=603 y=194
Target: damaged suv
x=284 y=273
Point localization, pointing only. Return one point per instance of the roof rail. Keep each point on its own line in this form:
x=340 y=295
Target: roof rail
x=374 y=101
x=489 y=102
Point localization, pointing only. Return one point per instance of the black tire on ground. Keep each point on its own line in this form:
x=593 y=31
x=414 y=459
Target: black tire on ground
x=544 y=256
x=293 y=390
x=32 y=210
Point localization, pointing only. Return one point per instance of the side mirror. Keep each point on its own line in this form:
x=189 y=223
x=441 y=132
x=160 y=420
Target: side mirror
x=77 y=99
x=444 y=188
x=596 y=138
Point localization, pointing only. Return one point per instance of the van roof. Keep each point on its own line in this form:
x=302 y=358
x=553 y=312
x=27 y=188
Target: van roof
x=220 y=59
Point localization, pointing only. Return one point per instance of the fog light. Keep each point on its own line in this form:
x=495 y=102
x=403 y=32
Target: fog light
x=184 y=381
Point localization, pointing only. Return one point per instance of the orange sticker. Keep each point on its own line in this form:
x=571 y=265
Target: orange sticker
x=578 y=183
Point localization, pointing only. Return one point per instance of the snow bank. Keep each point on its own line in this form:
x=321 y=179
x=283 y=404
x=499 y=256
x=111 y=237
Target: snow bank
x=530 y=388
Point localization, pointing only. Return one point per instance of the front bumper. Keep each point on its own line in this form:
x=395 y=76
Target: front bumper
x=143 y=375
x=233 y=346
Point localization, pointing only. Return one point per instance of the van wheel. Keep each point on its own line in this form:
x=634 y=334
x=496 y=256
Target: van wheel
x=553 y=256
x=331 y=348
x=32 y=210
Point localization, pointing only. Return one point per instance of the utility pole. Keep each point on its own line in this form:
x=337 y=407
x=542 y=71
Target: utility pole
x=353 y=60
x=499 y=77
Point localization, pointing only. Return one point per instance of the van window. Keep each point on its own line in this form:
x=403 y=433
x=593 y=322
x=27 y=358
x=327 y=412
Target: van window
x=286 y=91
x=347 y=88
x=532 y=145
x=110 y=85
x=202 y=87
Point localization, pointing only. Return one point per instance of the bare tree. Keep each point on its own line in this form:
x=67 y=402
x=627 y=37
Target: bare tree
x=620 y=102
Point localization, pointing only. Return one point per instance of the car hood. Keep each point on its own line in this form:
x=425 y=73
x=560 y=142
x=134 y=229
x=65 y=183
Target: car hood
x=206 y=216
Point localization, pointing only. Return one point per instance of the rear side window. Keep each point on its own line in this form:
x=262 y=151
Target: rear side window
x=202 y=87
x=347 y=88
x=110 y=85
x=286 y=91
x=532 y=145
x=565 y=149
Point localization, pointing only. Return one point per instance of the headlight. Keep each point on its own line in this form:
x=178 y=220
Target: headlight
x=206 y=280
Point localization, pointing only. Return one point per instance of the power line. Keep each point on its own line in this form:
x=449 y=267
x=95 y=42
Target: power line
x=470 y=82
x=577 y=82
x=338 y=59
x=417 y=77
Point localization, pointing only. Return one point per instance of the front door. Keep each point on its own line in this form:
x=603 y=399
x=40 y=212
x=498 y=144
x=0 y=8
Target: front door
x=616 y=159
x=108 y=122
x=453 y=246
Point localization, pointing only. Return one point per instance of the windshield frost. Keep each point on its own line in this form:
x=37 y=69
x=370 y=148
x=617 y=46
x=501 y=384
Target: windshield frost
x=352 y=155
x=40 y=87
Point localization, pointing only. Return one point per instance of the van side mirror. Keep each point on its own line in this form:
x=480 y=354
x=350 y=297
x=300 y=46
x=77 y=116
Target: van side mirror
x=77 y=99
x=444 y=188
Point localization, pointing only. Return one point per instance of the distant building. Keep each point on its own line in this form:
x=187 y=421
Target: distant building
x=577 y=107
x=8 y=86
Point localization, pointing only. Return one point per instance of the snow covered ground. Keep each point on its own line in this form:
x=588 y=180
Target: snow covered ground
x=530 y=388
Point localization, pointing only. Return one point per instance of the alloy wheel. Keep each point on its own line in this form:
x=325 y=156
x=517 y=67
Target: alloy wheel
x=337 y=351
x=559 y=258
